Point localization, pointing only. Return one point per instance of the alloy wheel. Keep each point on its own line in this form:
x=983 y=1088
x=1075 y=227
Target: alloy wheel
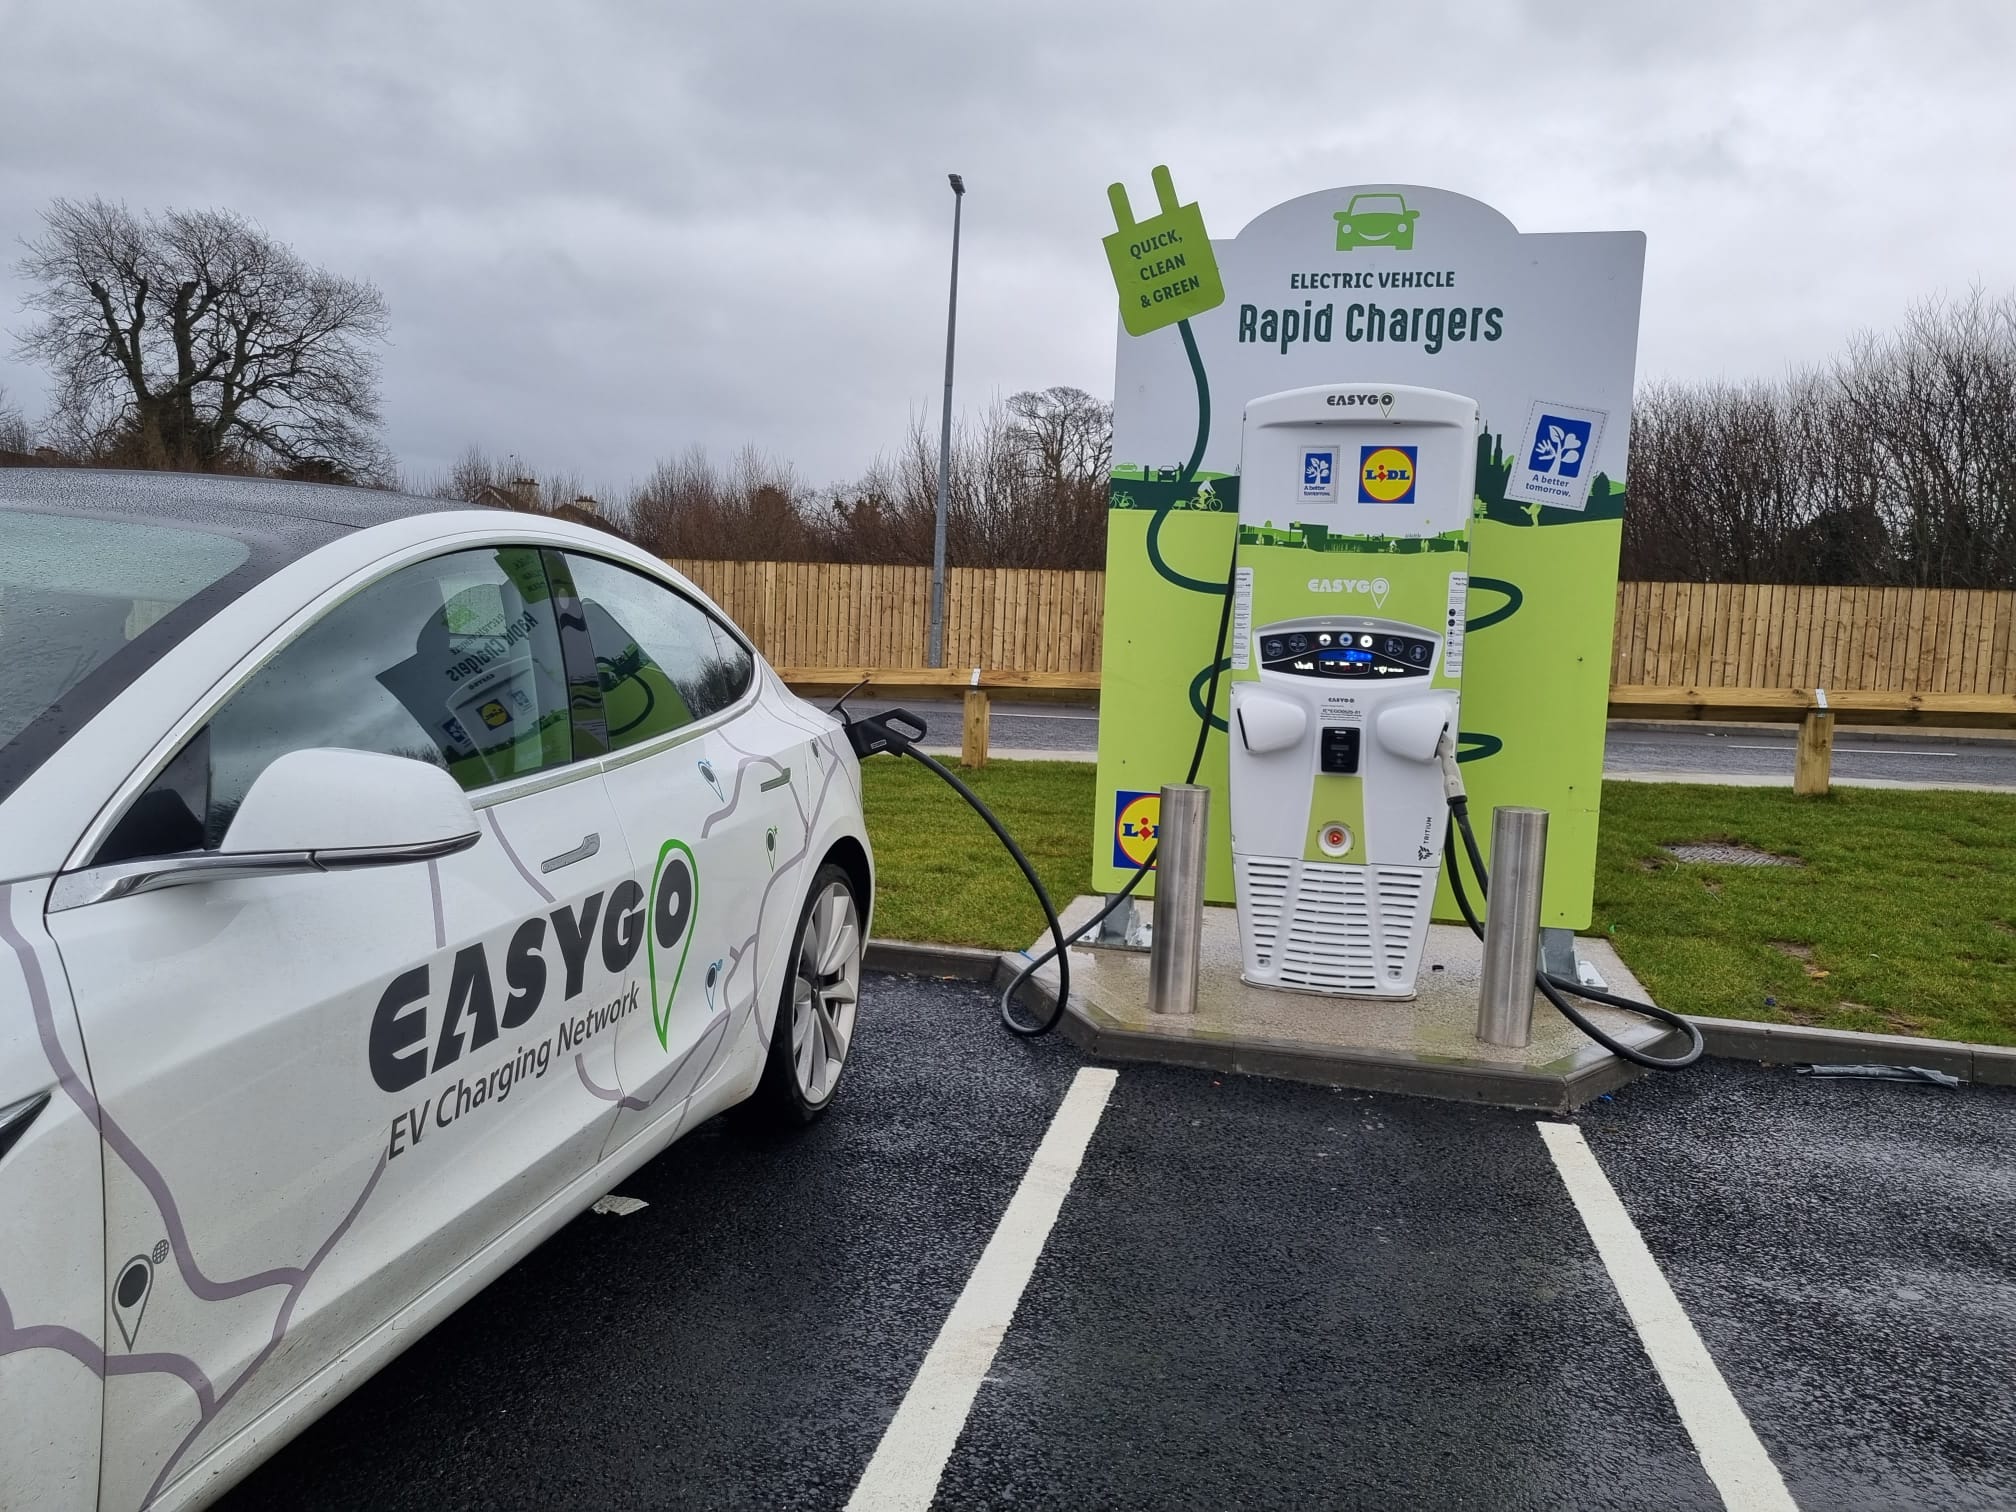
x=825 y=991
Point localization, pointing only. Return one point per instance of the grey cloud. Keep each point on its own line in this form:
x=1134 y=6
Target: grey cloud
x=609 y=230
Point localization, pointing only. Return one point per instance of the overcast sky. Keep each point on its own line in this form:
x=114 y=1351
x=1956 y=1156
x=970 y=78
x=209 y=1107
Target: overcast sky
x=608 y=231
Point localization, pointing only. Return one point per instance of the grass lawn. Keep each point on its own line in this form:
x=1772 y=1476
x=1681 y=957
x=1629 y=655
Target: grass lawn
x=1901 y=920
x=939 y=872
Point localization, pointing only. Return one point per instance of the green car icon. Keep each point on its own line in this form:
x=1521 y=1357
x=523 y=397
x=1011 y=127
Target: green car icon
x=1376 y=220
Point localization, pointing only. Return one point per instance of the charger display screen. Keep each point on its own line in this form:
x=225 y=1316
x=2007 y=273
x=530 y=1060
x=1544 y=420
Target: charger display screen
x=1371 y=656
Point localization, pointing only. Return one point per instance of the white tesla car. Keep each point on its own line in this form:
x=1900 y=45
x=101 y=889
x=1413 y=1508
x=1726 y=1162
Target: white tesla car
x=381 y=881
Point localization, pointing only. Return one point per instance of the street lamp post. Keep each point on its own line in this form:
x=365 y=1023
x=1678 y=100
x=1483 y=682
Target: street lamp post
x=937 y=657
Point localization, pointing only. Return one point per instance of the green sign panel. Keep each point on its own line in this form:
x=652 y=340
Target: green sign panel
x=1164 y=266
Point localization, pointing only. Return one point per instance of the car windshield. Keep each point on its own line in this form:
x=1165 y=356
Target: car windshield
x=1377 y=204
x=76 y=593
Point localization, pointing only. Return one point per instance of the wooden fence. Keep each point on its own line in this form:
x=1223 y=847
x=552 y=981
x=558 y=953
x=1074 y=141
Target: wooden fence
x=1760 y=635
x=821 y=614
x=1697 y=635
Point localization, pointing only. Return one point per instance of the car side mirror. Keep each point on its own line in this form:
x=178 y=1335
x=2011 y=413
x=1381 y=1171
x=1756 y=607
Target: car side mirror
x=318 y=810
x=352 y=808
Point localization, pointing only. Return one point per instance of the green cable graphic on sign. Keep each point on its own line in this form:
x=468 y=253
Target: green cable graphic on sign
x=1165 y=271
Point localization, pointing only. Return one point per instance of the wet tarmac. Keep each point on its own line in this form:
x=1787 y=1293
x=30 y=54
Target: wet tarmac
x=1256 y=1294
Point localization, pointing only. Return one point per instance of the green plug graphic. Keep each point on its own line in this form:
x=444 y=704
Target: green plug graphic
x=1163 y=267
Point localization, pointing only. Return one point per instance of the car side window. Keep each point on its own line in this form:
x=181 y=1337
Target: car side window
x=454 y=661
x=664 y=661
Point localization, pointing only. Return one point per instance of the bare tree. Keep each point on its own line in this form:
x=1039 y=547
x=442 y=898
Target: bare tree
x=755 y=509
x=1063 y=435
x=513 y=483
x=1894 y=465
x=15 y=436
x=193 y=340
x=1929 y=418
x=1027 y=488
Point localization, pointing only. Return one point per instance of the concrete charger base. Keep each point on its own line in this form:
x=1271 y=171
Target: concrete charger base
x=1427 y=1046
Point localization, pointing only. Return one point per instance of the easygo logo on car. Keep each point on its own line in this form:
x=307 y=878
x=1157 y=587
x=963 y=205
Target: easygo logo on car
x=414 y=1035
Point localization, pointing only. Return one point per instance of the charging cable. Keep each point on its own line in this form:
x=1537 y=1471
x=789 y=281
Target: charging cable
x=1557 y=990
x=897 y=731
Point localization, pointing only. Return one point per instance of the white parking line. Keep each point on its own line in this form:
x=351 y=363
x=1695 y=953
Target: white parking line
x=1730 y=1450
x=911 y=1457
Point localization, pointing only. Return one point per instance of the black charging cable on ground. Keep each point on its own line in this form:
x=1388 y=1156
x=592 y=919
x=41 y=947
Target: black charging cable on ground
x=1557 y=990
x=896 y=731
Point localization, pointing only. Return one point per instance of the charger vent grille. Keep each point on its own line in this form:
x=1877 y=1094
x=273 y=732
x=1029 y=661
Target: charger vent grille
x=1263 y=889
x=1403 y=895
x=1334 y=928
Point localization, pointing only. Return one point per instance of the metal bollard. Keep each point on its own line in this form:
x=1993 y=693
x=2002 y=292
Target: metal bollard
x=1512 y=926
x=1179 y=899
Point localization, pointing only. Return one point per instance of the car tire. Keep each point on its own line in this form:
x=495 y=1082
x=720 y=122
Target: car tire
x=817 y=1007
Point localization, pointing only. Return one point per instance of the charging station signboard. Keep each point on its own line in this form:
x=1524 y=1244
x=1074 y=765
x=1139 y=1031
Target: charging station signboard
x=1376 y=285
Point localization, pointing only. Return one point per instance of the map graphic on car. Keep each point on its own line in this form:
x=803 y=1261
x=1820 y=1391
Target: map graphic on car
x=1376 y=220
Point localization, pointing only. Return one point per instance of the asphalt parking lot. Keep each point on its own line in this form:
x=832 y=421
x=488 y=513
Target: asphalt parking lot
x=1255 y=1294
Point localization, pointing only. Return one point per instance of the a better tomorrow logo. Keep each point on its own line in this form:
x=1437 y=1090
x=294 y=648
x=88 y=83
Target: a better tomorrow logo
x=1559 y=445
x=1319 y=474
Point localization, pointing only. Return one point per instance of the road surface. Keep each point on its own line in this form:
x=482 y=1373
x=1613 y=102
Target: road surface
x=1740 y=752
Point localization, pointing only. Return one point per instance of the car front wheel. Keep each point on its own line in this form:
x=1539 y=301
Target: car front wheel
x=816 y=1015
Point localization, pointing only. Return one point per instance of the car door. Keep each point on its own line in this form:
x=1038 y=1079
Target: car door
x=710 y=790
x=322 y=1094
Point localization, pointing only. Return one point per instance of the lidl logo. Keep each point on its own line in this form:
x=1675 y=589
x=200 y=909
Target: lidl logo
x=1137 y=818
x=1386 y=474
x=494 y=714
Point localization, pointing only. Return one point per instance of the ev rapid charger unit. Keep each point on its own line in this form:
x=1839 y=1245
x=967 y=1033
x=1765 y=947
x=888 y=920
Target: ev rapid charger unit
x=1347 y=658
x=1343 y=745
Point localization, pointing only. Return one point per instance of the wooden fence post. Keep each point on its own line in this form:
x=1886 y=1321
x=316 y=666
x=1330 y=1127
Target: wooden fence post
x=973 y=747
x=1813 y=766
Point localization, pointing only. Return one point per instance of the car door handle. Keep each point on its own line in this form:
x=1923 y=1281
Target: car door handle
x=589 y=845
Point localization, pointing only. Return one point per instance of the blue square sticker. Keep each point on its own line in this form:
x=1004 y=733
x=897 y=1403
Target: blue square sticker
x=1137 y=816
x=1386 y=474
x=1560 y=445
x=1319 y=473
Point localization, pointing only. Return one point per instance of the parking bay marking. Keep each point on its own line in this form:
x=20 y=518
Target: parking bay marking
x=1729 y=1448
x=907 y=1464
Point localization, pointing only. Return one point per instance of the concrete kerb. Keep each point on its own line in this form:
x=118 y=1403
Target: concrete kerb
x=1726 y=1039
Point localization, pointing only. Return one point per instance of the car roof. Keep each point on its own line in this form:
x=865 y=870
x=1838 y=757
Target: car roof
x=290 y=519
